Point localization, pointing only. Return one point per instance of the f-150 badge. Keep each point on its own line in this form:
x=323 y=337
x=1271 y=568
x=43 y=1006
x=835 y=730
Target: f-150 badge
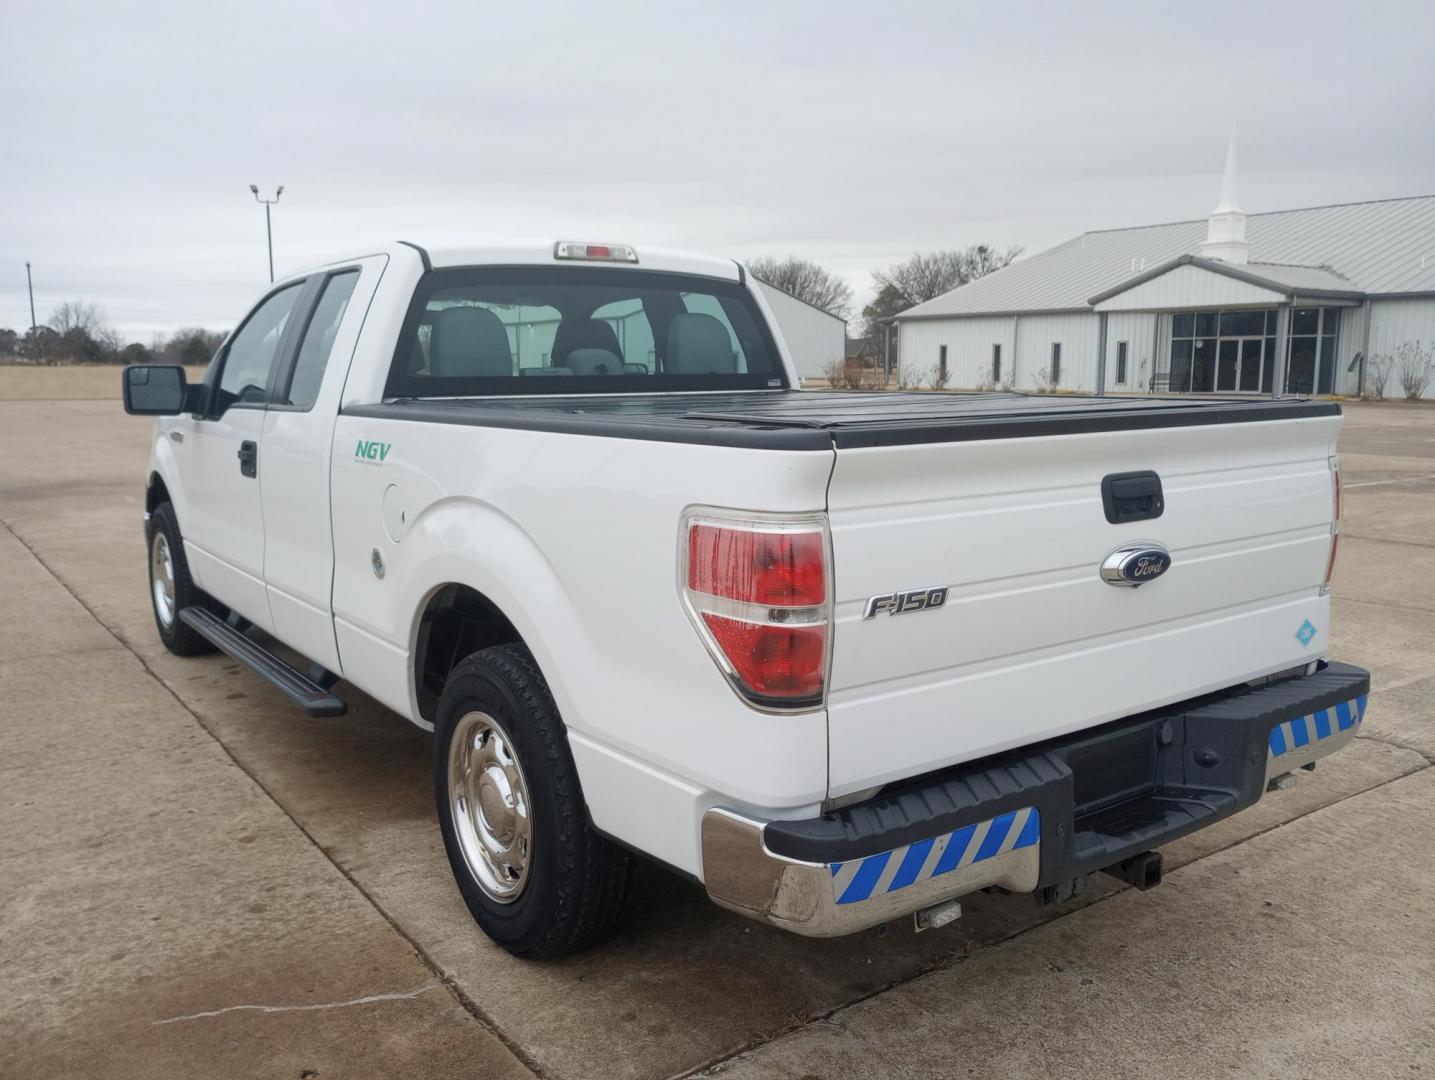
x=1135 y=564
x=903 y=603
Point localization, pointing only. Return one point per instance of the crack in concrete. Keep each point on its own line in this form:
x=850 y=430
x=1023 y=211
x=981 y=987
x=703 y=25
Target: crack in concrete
x=1381 y=483
x=404 y=995
x=1383 y=540
x=1384 y=604
x=1388 y=741
x=1397 y=684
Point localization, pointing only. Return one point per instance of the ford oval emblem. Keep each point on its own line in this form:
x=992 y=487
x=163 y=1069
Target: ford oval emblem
x=1135 y=564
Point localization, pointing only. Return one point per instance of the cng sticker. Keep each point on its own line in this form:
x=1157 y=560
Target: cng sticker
x=371 y=451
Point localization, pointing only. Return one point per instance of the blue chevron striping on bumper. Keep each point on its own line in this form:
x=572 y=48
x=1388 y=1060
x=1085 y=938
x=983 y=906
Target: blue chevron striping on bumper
x=1321 y=724
x=888 y=871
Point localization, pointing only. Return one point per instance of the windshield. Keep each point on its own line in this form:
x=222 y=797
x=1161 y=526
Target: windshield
x=565 y=330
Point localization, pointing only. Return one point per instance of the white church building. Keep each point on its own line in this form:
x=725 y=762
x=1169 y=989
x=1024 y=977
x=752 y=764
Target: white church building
x=1291 y=301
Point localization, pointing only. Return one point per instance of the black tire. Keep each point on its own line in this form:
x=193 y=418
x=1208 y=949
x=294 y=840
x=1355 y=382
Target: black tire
x=177 y=637
x=578 y=884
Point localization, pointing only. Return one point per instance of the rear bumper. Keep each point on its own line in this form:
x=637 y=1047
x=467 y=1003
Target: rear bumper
x=1035 y=820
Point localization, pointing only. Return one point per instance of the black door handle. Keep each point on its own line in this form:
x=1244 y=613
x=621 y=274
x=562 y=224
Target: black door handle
x=249 y=458
x=1133 y=496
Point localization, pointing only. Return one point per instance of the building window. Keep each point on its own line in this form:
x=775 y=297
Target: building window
x=1121 y=363
x=1222 y=351
x=942 y=362
x=1311 y=361
x=996 y=363
x=1056 y=363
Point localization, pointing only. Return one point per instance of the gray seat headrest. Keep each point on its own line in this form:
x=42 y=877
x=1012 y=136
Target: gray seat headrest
x=594 y=362
x=699 y=345
x=584 y=334
x=467 y=342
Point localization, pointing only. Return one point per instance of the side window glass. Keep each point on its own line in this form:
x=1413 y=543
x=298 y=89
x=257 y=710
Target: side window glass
x=319 y=339
x=251 y=353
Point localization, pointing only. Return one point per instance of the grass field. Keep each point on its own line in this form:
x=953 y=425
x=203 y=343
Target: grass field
x=80 y=382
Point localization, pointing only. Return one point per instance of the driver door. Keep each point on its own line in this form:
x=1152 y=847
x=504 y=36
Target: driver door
x=221 y=465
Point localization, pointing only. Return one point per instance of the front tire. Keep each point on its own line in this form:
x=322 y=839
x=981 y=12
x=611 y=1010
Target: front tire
x=535 y=875
x=170 y=587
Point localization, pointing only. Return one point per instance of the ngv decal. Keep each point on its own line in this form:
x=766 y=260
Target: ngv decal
x=371 y=450
x=1135 y=564
x=903 y=603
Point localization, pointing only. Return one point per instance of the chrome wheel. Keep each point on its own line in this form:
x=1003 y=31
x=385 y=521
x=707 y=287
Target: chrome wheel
x=489 y=799
x=161 y=579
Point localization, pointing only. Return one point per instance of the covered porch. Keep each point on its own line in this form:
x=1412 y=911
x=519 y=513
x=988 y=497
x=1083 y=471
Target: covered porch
x=1224 y=328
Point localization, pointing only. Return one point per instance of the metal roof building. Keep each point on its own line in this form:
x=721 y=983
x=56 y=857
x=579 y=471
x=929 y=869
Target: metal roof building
x=1294 y=301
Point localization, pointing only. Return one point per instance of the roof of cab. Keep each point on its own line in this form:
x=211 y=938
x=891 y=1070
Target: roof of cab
x=537 y=253
x=540 y=253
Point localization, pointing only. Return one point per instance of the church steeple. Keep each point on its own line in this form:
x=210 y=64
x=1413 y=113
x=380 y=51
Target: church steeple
x=1226 y=227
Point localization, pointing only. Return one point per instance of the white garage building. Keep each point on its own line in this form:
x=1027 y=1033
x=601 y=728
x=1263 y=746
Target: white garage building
x=814 y=337
x=1294 y=301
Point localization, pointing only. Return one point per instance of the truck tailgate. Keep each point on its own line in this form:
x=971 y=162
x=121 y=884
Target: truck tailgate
x=1031 y=642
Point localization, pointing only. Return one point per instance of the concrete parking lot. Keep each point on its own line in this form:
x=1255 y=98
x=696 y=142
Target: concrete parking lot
x=198 y=880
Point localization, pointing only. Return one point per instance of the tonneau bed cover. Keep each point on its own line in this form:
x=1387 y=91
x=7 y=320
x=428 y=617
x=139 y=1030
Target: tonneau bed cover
x=820 y=420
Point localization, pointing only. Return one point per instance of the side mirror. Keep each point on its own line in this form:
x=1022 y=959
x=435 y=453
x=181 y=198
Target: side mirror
x=154 y=390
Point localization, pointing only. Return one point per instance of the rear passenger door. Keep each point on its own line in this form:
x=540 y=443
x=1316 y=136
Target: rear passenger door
x=297 y=446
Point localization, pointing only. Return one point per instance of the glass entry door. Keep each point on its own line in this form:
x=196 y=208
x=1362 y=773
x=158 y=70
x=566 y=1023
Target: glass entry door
x=1225 y=352
x=1253 y=366
x=1239 y=365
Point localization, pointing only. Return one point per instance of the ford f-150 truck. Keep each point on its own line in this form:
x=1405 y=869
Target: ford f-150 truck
x=840 y=657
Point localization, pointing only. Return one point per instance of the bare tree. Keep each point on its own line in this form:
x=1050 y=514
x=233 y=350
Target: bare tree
x=805 y=280
x=909 y=378
x=78 y=315
x=109 y=340
x=841 y=375
x=1377 y=374
x=925 y=277
x=1417 y=369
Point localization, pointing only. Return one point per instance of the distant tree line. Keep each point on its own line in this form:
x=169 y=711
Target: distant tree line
x=78 y=333
x=911 y=282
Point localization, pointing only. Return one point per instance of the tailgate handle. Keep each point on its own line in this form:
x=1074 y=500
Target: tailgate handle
x=1132 y=496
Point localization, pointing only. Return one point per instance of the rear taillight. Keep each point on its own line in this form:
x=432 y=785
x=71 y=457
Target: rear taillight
x=1334 y=527
x=758 y=589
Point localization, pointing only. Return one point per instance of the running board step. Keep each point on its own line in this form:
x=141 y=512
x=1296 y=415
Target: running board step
x=300 y=688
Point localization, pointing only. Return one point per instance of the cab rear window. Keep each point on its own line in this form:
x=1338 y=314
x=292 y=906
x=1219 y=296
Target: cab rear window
x=565 y=330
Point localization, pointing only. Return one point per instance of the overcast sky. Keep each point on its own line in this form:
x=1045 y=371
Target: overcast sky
x=851 y=134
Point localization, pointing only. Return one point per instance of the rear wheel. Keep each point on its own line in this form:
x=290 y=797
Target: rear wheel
x=170 y=587
x=535 y=875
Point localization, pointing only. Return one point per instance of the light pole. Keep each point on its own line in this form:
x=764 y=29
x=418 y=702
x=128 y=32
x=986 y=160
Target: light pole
x=30 y=284
x=268 y=228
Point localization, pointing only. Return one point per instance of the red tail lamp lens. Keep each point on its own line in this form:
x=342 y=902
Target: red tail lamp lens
x=783 y=569
x=774 y=661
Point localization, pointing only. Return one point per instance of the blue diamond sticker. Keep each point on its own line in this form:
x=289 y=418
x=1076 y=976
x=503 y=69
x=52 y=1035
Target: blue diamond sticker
x=1306 y=633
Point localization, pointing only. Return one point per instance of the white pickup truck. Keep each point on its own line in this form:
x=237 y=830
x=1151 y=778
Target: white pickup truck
x=841 y=657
